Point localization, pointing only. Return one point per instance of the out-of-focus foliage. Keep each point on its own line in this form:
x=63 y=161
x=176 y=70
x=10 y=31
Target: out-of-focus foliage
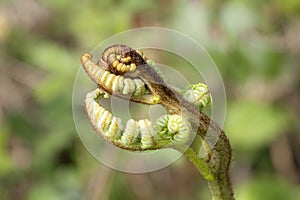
x=255 y=44
x=267 y=187
x=253 y=125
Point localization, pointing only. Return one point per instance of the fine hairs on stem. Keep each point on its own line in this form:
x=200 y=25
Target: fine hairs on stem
x=127 y=73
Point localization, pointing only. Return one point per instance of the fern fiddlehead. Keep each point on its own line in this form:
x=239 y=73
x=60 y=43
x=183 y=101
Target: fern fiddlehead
x=135 y=135
x=128 y=74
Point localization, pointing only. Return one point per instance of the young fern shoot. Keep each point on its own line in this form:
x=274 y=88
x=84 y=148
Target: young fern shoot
x=129 y=74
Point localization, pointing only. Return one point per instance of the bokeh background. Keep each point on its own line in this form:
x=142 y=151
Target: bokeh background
x=255 y=44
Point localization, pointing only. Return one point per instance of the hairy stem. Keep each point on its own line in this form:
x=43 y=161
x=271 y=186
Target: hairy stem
x=217 y=169
x=219 y=163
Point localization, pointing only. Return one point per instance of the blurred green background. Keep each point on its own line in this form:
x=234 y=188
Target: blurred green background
x=255 y=44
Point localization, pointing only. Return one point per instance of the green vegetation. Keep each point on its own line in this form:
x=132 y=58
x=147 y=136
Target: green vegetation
x=255 y=44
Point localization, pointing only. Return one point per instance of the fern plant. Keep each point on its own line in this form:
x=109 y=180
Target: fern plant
x=129 y=74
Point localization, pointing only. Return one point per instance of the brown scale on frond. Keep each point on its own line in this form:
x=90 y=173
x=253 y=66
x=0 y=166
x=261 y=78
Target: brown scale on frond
x=121 y=59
